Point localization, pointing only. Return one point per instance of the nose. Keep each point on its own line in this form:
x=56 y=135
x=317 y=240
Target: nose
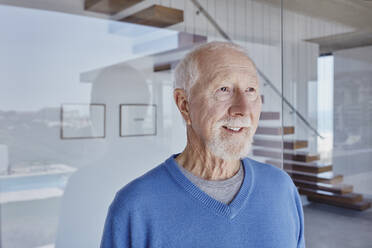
x=240 y=106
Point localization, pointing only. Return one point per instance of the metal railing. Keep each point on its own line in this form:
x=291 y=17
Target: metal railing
x=267 y=80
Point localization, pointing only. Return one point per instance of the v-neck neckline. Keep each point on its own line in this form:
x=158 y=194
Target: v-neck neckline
x=228 y=210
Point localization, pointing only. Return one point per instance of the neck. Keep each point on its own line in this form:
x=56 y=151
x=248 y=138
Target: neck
x=203 y=164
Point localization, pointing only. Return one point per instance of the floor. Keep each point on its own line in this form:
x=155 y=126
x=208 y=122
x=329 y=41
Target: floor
x=333 y=227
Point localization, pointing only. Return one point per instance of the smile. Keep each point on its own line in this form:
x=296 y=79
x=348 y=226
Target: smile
x=233 y=129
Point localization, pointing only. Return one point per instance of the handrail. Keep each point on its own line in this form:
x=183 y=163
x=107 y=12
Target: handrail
x=224 y=35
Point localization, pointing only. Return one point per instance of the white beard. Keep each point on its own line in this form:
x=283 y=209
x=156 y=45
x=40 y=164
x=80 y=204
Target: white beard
x=228 y=148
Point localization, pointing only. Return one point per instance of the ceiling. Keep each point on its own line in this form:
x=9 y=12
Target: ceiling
x=355 y=13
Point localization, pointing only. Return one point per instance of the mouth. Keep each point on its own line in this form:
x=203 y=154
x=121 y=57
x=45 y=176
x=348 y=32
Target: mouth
x=233 y=129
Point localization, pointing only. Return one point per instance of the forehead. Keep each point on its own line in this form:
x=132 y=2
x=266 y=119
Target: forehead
x=225 y=63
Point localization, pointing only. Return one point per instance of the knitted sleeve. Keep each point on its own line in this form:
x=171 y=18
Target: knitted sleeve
x=301 y=236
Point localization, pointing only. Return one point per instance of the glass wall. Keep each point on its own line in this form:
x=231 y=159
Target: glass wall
x=327 y=66
x=64 y=154
x=86 y=105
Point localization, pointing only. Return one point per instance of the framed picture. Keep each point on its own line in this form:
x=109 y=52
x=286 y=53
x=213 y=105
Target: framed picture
x=83 y=121
x=137 y=120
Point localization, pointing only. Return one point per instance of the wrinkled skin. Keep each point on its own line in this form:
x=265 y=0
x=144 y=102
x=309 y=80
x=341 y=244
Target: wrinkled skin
x=227 y=89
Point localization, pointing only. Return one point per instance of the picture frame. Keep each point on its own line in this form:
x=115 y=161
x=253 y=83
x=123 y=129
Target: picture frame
x=137 y=120
x=83 y=120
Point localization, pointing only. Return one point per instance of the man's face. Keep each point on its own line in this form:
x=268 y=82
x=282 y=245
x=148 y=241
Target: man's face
x=225 y=103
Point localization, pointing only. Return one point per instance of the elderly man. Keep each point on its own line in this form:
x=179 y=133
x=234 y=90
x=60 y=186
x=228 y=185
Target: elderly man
x=211 y=194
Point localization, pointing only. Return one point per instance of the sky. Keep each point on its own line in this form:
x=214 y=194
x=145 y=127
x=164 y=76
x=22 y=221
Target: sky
x=43 y=53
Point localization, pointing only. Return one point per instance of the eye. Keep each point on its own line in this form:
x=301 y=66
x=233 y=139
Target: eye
x=223 y=93
x=251 y=90
x=252 y=93
x=224 y=90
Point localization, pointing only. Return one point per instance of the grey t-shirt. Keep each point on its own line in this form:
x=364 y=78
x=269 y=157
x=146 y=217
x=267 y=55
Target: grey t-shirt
x=221 y=190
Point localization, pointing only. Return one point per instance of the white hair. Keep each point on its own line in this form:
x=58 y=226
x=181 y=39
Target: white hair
x=187 y=70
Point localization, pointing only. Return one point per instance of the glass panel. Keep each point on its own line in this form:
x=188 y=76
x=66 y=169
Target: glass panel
x=327 y=65
x=86 y=105
x=63 y=78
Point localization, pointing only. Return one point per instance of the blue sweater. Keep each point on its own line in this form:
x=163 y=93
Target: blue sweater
x=163 y=208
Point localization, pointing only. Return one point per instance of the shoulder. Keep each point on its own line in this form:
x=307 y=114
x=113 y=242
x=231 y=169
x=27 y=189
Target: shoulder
x=273 y=183
x=269 y=174
x=141 y=190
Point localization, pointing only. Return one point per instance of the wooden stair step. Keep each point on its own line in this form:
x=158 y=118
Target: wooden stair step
x=338 y=188
x=362 y=205
x=297 y=156
x=185 y=41
x=156 y=16
x=325 y=195
x=188 y=39
x=162 y=67
x=275 y=130
x=265 y=115
x=302 y=157
x=165 y=66
x=109 y=7
x=313 y=167
x=286 y=144
x=325 y=177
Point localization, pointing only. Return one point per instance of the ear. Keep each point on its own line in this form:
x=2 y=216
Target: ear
x=180 y=98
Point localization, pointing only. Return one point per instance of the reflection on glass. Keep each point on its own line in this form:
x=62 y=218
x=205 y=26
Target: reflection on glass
x=83 y=121
x=137 y=120
x=54 y=58
x=49 y=59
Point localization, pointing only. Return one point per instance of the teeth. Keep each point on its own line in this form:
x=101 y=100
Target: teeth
x=234 y=128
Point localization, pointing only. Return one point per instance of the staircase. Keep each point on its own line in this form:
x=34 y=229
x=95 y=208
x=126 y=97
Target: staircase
x=155 y=15
x=312 y=177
